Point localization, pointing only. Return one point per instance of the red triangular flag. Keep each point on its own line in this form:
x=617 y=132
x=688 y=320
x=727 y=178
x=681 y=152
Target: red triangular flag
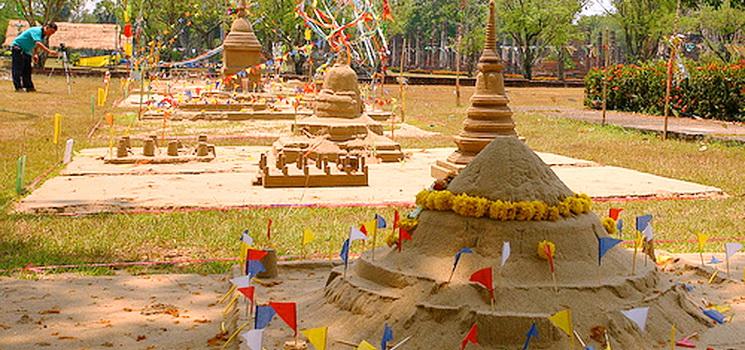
x=248 y=292
x=471 y=337
x=254 y=254
x=127 y=30
x=287 y=312
x=614 y=213
x=363 y=229
x=484 y=277
x=269 y=230
x=547 y=250
x=396 y=219
x=403 y=235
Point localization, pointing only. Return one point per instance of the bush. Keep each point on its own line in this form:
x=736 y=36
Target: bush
x=712 y=91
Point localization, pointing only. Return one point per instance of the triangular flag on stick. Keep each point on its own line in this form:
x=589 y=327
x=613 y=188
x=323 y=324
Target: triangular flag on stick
x=403 y=235
x=731 y=249
x=317 y=337
x=264 y=315
x=287 y=312
x=356 y=234
x=472 y=337
x=308 y=236
x=387 y=337
x=462 y=251
x=253 y=338
x=702 y=239
x=506 y=250
x=532 y=333
x=604 y=245
x=364 y=345
x=615 y=213
x=638 y=315
x=484 y=278
x=563 y=320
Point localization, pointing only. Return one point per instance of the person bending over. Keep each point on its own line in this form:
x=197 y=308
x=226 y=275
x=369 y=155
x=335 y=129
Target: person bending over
x=24 y=49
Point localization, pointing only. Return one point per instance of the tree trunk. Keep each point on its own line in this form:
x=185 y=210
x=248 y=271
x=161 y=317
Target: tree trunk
x=560 y=65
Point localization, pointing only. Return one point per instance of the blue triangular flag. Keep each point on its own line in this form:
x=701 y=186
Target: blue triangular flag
x=387 y=336
x=642 y=222
x=532 y=333
x=254 y=267
x=380 y=221
x=604 y=245
x=714 y=260
x=459 y=253
x=714 y=315
x=619 y=227
x=264 y=315
x=344 y=254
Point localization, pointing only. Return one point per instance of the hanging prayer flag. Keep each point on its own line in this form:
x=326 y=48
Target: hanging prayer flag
x=355 y=234
x=387 y=336
x=472 y=337
x=317 y=337
x=287 y=312
x=253 y=338
x=638 y=315
x=308 y=236
x=614 y=213
x=505 y=252
x=364 y=345
x=532 y=333
x=484 y=278
x=563 y=320
x=264 y=315
x=604 y=245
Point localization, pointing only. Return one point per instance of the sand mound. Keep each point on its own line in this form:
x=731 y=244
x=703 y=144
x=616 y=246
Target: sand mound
x=408 y=290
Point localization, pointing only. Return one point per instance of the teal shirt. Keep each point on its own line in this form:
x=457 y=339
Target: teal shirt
x=28 y=39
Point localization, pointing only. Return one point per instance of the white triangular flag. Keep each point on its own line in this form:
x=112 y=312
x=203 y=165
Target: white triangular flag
x=505 y=252
x=241 y=282
x=356 y=234
x=246 y=238
x=638 y=315
x=732 y=248
x=648 y=233
x=253 y=338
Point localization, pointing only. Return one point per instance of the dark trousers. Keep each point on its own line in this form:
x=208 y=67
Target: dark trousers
x=21 y=70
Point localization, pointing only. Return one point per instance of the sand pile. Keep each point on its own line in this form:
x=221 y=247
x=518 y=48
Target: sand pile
x=409 y=289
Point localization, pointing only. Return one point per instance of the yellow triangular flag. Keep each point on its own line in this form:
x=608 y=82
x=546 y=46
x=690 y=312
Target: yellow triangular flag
x=244 y=251
x=371 y=227
x=364 y=345
x=702 y=238
x=563 y=321
x=308 y=236
x=307 y=34
x=101 y=97
x=317 y=337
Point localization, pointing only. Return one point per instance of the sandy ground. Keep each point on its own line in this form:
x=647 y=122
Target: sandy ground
x=227 y=183
x=178 y=311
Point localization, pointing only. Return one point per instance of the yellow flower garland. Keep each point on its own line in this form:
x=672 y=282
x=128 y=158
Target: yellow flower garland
x=610 y=225
x=477 y=207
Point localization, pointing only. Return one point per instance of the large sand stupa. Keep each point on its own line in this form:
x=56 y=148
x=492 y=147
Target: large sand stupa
x=409 y=289
x=242 y=49
x=339 y=125
x=489 y=115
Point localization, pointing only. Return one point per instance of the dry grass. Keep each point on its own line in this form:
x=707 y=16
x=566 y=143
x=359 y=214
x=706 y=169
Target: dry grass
x=26 y=129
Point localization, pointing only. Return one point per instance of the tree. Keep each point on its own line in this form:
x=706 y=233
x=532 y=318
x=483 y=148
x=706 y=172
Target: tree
x=644 y=23
x=7 y=11
x=536 y=24
x=720 y=25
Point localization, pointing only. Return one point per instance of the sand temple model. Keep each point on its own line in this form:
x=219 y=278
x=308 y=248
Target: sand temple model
x=241 y=48
x=488 y=116
x=339 y=126
x=409 y=289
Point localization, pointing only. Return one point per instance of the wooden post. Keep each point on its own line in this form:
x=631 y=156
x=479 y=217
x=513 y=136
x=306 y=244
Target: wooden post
x=401 y=92
x=606 y=51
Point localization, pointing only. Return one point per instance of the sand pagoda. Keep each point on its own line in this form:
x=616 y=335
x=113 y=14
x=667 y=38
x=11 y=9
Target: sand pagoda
x=488 y=116
x=242 y=49
x=339 y=125
x=508 y=195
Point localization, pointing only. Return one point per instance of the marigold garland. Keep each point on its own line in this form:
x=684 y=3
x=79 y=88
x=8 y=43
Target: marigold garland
x=477 y=207
x=610 y=225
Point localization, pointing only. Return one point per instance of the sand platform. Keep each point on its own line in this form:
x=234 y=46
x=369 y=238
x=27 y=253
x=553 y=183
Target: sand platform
x=87 y=185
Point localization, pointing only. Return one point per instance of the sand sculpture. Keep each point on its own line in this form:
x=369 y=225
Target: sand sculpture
x=339 y=125
x=488 y=116
x=152 y=153
x=242 y=49
x=409 y=290
x=345 y=171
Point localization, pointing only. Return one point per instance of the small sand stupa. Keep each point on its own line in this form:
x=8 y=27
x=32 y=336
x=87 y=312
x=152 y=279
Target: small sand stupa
x=241 y=48
x=488 y=116
x=409 y=290
x=339 y=125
